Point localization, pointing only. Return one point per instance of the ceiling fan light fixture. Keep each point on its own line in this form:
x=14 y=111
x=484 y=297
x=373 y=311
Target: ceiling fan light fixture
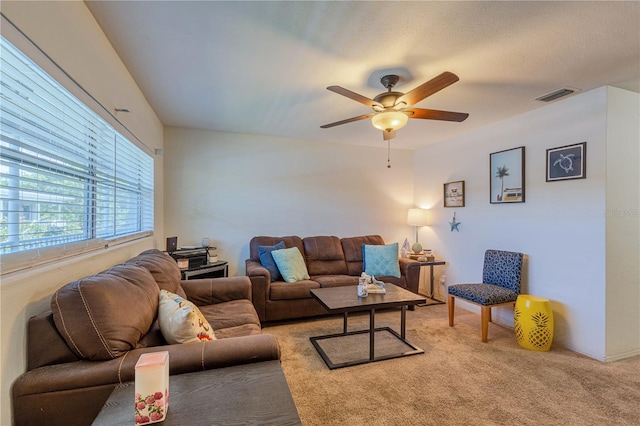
x=389 y=120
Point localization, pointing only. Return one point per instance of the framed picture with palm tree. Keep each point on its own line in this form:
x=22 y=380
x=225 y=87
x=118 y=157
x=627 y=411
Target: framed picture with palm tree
x=507 y=176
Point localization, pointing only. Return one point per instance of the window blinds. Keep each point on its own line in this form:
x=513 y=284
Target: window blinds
x=66 y=175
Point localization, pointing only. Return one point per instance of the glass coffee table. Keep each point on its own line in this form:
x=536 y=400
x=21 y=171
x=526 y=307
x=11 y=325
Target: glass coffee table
x=350 y=347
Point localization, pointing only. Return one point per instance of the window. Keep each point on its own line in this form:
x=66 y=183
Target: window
x=66 y=175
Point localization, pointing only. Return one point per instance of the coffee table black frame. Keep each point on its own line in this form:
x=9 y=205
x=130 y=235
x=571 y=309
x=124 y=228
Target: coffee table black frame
x=345 y=300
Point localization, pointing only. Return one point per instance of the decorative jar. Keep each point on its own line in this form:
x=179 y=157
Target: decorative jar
x=151 y=388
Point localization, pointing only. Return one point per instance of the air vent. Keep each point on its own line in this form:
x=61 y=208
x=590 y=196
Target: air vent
x=565 y=91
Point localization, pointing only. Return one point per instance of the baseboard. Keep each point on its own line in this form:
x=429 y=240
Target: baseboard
x=506 y=320
x=620 y=357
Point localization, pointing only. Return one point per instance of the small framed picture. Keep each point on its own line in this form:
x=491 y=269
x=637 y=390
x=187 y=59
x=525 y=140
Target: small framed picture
x=454 y=194
x=507 y=176
x=567 y=162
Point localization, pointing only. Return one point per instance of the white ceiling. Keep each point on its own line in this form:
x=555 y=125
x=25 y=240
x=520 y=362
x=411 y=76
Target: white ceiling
x=263 y=67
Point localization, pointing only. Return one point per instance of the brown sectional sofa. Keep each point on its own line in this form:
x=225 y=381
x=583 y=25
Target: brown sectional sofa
x=330 y=261
x=99 y=326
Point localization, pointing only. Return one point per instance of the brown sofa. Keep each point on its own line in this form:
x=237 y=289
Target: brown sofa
x=98 y=327
x=330 y=261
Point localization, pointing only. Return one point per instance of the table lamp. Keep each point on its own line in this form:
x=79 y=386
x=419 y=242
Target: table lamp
x=417 y=218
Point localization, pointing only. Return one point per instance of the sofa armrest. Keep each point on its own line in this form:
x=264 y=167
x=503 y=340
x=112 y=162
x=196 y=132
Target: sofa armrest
x=410 y=269
x=37 y=393
x=209 y=291
x=260 y=286
x=183 y=357
x=255 y=269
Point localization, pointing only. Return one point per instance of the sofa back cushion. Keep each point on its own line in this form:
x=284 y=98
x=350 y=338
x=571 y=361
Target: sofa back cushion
x=45 y=345
x=291 y=241
x=324 y=256
x=352 y=248
x=163 y=268
x=105 y=315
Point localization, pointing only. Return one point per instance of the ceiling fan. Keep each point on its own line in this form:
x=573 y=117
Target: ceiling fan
x=392 y=109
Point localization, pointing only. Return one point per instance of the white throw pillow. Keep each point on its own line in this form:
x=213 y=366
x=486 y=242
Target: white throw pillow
x=181 y=321
x=291 y=264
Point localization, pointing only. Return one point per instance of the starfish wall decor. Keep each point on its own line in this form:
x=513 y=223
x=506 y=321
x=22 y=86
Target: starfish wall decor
x=454 y=224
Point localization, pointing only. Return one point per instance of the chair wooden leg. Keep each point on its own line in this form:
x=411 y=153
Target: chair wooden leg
x=485 y=316
x=451 y=305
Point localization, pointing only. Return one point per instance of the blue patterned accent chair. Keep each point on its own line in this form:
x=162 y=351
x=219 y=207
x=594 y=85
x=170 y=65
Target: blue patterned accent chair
x=501 y=280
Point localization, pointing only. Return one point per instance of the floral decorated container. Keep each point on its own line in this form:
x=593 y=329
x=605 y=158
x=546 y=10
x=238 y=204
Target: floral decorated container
x=152 y=388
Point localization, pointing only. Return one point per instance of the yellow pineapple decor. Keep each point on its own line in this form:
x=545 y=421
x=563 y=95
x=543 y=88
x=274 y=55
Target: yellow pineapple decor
x=533 y=322
x=517 y=328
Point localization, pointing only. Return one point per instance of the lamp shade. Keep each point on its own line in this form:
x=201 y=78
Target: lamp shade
x=418 y=217
x=389 y=120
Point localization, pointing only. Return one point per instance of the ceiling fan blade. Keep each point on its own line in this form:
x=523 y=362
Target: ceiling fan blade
x=348 y=120
x=434 y=114
x=388 y=135
x=353 y=95
x=429 y=88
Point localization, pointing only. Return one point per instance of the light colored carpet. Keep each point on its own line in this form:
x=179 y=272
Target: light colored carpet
x=355 y=347
x=457 y=381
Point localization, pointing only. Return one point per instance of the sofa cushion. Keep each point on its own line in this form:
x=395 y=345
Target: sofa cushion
x=163 y=267
x=291 y=264
x=153 y=337
x=324 y=256
x=335 y=280
x=233 y=313
x=105 y=315
x=239 y=331
x=290 y=241
x=352 y=248
x=266 y=259
x=287 y=291
x=181 y=321
x=45 y=345
x=381 y=260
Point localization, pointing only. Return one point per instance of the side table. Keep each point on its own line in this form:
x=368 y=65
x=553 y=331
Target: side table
x=533 y=322
x=255 y=393
x=210 y=270
x=430 y=296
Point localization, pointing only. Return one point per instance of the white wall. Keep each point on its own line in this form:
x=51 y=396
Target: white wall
x=623 y=223
x=67 y=32
x=232 y=187
x=561 y=227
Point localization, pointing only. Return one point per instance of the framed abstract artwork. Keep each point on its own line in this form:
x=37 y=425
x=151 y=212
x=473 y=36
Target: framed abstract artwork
x=454 y=194
x=567 y=162
x=507 y=176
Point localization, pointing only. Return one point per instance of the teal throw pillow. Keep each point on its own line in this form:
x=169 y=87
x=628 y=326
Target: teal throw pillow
x=266 y=259
x=381 y=260
x=291 y=264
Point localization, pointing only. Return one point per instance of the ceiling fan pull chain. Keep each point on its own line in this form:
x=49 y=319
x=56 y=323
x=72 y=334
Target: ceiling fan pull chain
x=388 y=153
